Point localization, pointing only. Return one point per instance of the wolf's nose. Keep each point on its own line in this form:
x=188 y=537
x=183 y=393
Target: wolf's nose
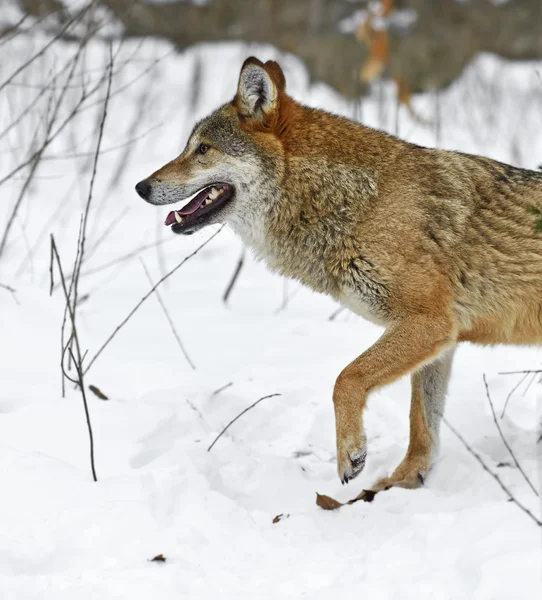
x=143 y=189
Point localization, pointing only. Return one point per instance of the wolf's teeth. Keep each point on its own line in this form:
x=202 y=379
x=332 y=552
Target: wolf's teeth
x=178 y=217
x=214 y=193
x=207 y=201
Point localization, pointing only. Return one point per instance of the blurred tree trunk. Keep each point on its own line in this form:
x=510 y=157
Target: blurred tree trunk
x=429 y=53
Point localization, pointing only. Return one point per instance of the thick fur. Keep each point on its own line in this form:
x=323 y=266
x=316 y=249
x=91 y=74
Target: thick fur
x=439 y=247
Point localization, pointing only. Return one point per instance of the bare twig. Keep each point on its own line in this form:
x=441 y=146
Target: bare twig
x=168 y=317
x=147 y=295
x=234 y=277
x=286 y=297
x=134 y=80
x=78 y=357
x=126 y=144
x=36 y=156
x=511 y=452
x=44 y=49
x=7 y=287
x=237 y=417
x=512 y=392
x=529 y=384
x=77 y=268
x=494 y=475
x=85 y=95
x=221 y=389
x=527 y=371
x=11 y=290
x=122 y=258
x=65 y=317
x=336 y=313
x=43 y=89
x=8 y=33
x=107 y=232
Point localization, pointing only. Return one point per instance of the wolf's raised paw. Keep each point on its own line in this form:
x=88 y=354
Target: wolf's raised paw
x=355 y=464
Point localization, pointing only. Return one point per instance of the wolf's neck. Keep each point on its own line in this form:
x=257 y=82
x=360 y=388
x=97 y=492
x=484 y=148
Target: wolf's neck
x=315 y=213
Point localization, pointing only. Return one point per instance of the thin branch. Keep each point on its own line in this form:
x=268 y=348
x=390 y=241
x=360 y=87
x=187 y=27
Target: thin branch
x=168 y=317
x=77 y=268
x=43 y=89
x=12 y=31
x=146 y=296
x=36 y=156
x=494 y=475
x=237 y=417
x=70 y=290
x=44 y=49
x=511 y=452
x=78 y=358
x=85 y=95
x=528 y=372
x=336 y=313
x=115 y=222
x=221 y=389
x=529 y=384
x=78 y=109
x=124 y=144
x=286 y=298
x=234 y=278
x=120 y=259
x=80 y=376
x=512 y=392
x=7 y=287
x=134 y=80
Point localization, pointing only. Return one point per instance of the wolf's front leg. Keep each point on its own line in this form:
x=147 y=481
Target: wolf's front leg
x=406 y=345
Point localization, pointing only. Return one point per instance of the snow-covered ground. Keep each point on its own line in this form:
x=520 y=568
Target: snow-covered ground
x=160 y=491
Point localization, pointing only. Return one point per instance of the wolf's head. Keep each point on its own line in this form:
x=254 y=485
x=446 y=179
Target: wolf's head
x=232 y=161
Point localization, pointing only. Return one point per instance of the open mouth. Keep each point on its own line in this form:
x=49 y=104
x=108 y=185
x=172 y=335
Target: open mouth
x=206 y=202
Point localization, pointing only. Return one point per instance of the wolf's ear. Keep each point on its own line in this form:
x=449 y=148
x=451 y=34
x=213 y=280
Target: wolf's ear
x=259 y=87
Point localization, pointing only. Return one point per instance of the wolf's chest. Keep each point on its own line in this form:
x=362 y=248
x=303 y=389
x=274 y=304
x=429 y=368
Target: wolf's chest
x=363 y=304
x=352 y=287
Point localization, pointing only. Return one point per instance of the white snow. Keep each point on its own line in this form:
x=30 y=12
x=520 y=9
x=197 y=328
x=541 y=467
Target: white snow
x=160 y=491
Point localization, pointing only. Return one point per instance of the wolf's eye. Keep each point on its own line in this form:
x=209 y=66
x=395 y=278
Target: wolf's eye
x=202 y=149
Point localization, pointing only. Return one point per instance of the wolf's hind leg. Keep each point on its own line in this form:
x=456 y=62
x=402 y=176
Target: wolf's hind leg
x=429 y=386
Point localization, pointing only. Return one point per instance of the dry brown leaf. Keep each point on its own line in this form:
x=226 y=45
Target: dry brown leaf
x=97 y=392
x=280 y=517
x=327 y=503
x=158 y=558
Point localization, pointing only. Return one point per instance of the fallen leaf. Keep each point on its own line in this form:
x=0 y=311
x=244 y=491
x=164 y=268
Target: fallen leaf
x=327 y=503
x=158 y=558
x=97 y=392
x=280 y=517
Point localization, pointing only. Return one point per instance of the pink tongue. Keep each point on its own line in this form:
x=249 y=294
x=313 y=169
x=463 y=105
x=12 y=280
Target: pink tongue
x=190 y=208
x=170 y=219
x=193 y=205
